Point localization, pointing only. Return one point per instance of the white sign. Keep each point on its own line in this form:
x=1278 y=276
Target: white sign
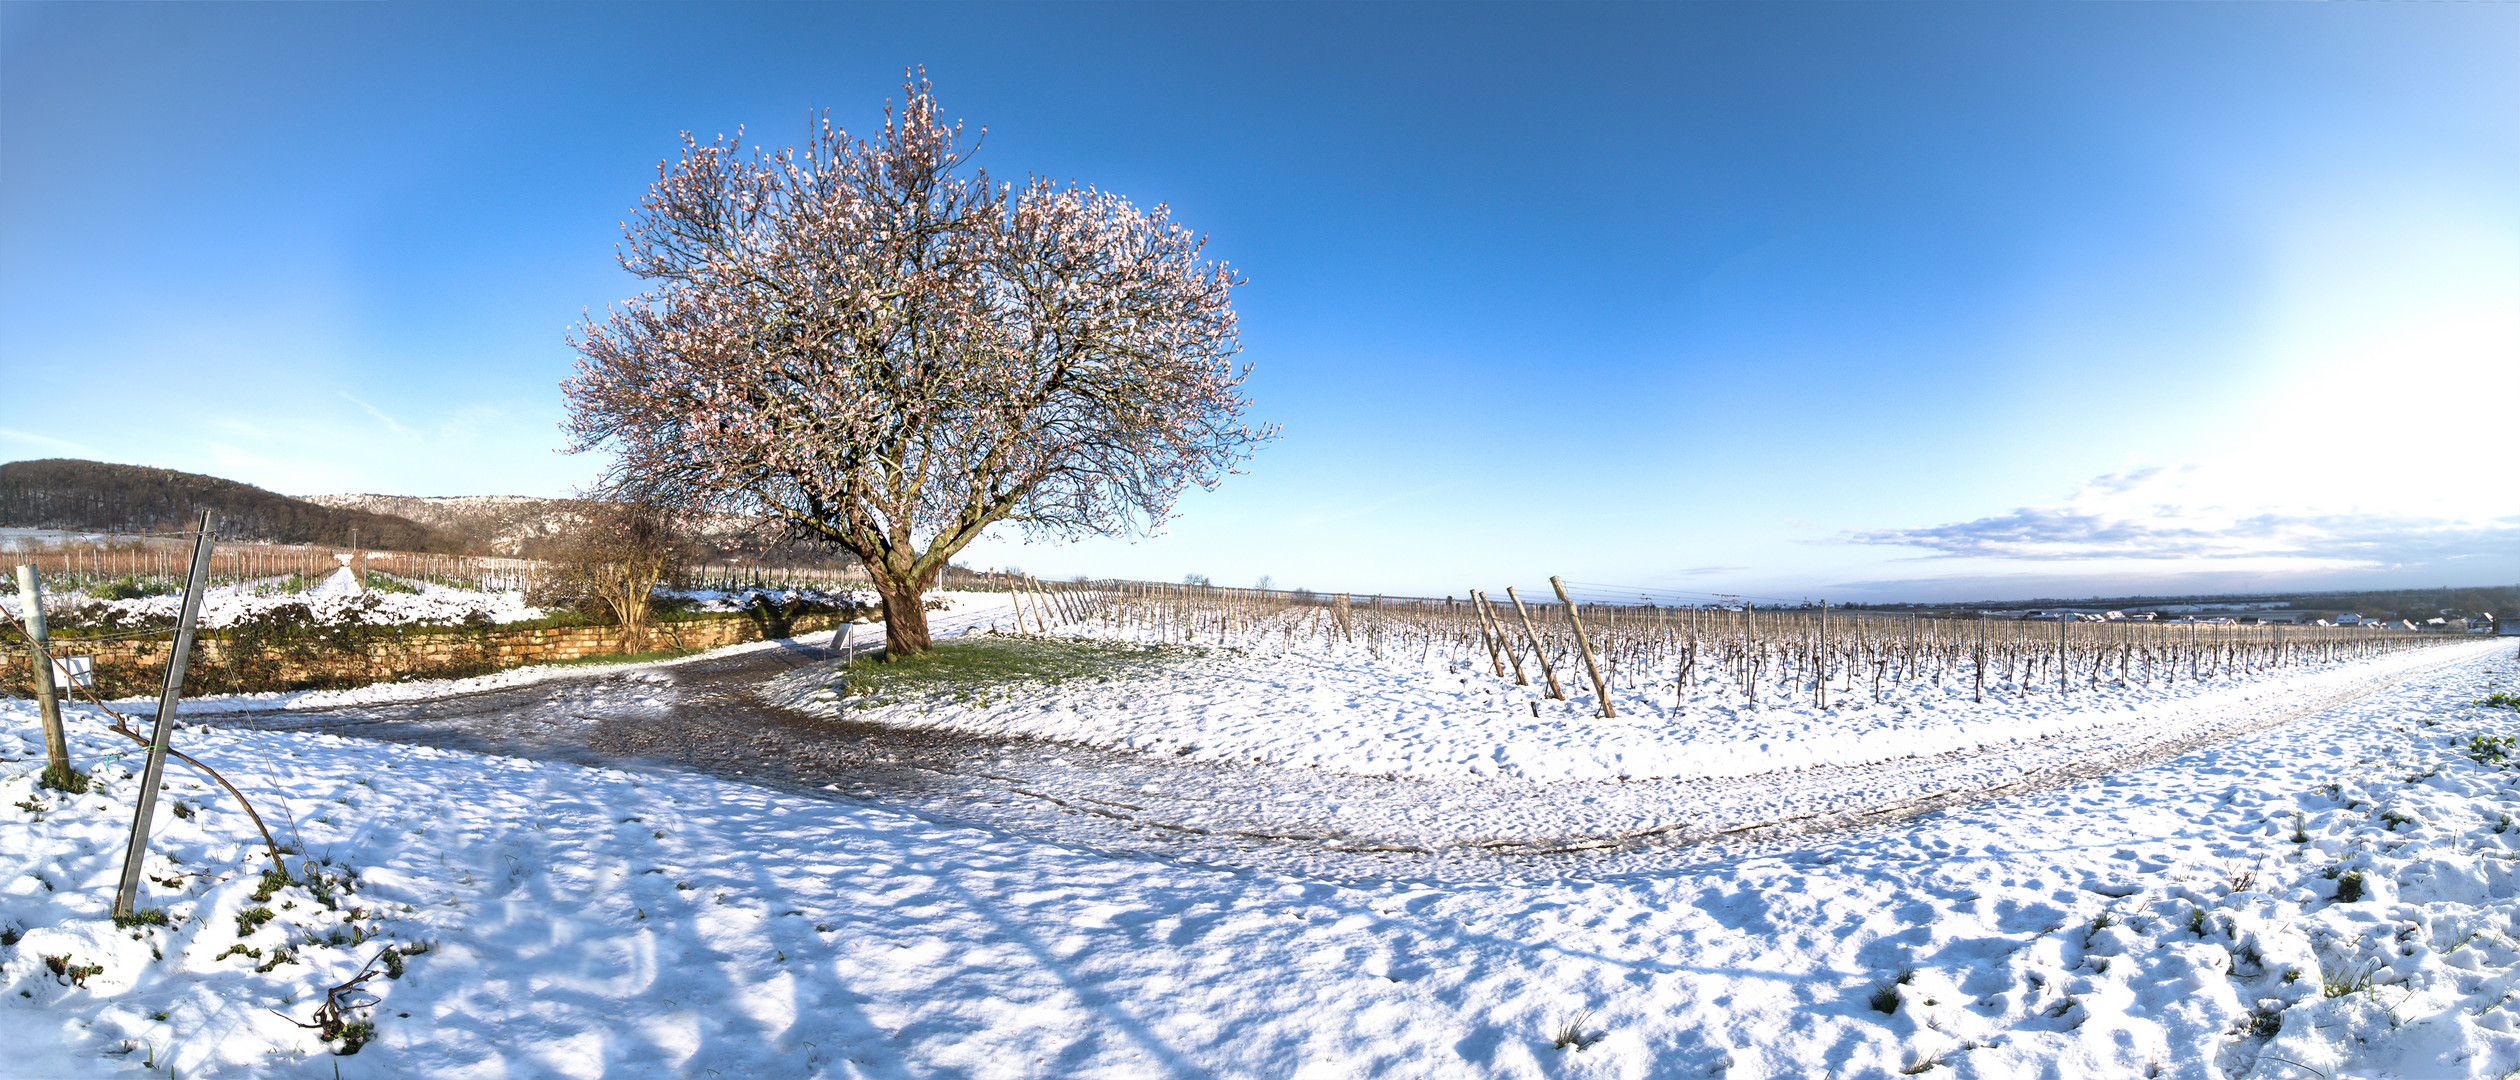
x=73 y=671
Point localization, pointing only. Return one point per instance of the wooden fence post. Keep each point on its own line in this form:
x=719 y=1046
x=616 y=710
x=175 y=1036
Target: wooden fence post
x=57 y=771
x=1821 y=683
x=1584 y=642
x=1538 y=650
x=1489 y=639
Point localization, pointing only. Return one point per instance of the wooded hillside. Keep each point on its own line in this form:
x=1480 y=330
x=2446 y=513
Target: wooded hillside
x=66 y=493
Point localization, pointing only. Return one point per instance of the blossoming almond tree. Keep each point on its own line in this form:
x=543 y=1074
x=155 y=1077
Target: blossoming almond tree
x=871 y=345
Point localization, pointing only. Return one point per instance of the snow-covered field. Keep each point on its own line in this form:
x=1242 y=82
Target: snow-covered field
x=2183 y=919
x=335 y=599
x=338 y=598
x=1337 y=708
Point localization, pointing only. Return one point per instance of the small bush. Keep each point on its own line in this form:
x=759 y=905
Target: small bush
x=69 y=974
x=71 y=781
x=272 y=882
x=353 y=1034
x=2492 y=749
x=382 y=583
x=1885 y=994
x=251 y=919
x=2500 y=700
x=128 y=587
x=2349 y=887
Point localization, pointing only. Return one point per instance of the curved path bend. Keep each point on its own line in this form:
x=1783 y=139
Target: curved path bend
x=700 y=715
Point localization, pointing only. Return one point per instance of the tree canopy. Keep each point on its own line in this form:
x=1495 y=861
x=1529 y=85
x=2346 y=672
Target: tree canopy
x=875 y=345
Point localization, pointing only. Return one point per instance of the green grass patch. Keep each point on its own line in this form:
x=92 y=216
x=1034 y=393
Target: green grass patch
x=141 y=917
x=128 y=587
x=980 y=670
x=387 y=583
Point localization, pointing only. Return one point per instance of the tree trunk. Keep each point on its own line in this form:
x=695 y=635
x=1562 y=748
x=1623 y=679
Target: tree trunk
x=905 y=619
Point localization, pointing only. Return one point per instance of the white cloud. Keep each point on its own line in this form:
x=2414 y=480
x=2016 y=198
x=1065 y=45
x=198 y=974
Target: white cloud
x=2228 y=516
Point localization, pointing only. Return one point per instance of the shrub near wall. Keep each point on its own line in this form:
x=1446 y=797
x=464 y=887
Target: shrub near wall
x=284 y=654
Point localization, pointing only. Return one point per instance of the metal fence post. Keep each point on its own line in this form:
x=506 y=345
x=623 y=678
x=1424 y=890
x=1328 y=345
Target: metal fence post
x=151 y=774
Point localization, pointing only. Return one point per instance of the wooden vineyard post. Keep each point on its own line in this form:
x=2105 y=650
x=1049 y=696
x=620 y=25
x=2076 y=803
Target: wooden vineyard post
x=153 y=773
x=1489 y=639
x=1487 y=611
x=1538 y=651
x=1016 y=599
x=1600 y=689
x=57 y=771
x=1979 y=655
x=1821 y=684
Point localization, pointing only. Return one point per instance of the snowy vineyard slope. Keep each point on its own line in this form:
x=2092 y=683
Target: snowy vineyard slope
x=1339 y=708
x=2192 y=919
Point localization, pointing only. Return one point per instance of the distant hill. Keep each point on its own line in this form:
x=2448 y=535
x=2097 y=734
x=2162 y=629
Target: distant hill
x=65 y=493
x=505 y=524
x=514 y=524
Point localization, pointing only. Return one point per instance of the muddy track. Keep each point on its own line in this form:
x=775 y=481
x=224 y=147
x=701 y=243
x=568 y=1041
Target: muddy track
x=701 y=716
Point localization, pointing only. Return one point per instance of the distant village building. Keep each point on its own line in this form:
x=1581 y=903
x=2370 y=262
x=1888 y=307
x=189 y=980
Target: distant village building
x=2347 y=618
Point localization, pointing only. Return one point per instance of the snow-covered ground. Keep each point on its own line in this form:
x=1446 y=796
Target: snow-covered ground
x=2181 y=920
x=335 y=599
x=338 y=598
x=1338 y=708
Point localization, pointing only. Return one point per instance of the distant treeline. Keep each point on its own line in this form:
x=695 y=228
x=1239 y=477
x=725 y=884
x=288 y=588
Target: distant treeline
x=65 y=493
x=2415 y=604
x=2418 y=604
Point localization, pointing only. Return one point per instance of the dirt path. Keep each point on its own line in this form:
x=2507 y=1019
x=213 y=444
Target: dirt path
x=700 y=716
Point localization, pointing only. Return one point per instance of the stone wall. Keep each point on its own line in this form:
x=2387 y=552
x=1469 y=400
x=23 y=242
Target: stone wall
x=365 y=655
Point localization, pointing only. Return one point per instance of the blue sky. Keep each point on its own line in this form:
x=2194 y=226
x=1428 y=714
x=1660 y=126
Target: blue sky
x=1894 y=301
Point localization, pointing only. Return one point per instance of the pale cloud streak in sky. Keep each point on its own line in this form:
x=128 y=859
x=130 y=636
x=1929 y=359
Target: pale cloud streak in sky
x=2213 y=516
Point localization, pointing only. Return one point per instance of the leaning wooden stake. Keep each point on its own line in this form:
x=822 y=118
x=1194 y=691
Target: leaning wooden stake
x=1538 y=651
x=1487 y=612
x=57 y=770
x=150 y=774
x=1601 y=690
x=1485 y=637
